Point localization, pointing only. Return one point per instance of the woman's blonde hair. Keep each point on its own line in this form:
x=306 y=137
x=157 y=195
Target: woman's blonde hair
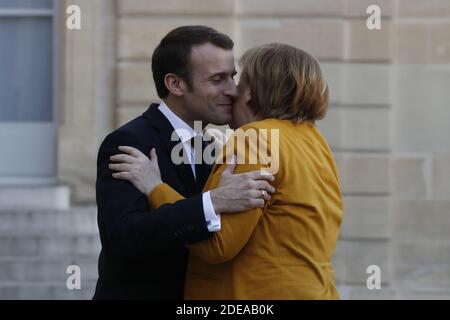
x=285 y=83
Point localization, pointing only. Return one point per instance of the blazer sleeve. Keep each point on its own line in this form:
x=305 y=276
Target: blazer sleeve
x=236 y=228
x=127 y=226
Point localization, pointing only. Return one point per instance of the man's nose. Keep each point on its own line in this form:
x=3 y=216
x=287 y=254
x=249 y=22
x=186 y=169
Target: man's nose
x=231 y=89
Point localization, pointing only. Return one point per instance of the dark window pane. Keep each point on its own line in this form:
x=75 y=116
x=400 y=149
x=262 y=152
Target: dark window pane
x=26 y=69
x=25 y=4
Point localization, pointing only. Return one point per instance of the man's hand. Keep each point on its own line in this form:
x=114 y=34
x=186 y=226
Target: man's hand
x=240 y=192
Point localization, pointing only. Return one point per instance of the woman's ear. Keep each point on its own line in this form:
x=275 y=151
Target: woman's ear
x=174 y=84
x=247 y=96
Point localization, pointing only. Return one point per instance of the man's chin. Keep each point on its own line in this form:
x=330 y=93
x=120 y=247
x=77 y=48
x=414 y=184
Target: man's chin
x=224 y=120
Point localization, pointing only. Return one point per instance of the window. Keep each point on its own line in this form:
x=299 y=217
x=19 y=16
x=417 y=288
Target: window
x=27 y=87
x=26 y=55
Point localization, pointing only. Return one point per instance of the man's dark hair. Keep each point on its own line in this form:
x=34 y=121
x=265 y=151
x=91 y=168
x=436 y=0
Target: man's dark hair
x=174 y=51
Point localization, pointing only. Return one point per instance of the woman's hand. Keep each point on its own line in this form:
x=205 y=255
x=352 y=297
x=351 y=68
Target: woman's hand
x=136 y=167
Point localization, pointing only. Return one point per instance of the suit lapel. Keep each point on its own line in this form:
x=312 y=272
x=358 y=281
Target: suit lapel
x=165 y=129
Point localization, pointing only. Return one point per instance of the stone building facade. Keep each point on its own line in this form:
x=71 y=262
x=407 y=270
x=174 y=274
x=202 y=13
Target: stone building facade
x=388 y=122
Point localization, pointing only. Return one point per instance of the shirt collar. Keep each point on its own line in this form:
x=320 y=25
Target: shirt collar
x=183 y=130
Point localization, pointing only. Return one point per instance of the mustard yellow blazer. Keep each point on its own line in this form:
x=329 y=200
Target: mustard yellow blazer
x=281 y=251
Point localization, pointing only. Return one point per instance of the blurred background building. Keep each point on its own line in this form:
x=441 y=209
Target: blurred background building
x=62 y=91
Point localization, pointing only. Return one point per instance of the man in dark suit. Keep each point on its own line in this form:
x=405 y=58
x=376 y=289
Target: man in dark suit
x=143 y=254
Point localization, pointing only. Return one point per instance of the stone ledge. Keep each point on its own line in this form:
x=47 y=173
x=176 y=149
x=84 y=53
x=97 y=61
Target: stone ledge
x=78 y=221
x=197 y=7
x=36 y=270
x=349 y=292
x=45 y=291
x=57 y=197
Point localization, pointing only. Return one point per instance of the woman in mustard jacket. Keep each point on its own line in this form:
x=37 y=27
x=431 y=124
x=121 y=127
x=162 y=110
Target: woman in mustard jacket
x=283 y=250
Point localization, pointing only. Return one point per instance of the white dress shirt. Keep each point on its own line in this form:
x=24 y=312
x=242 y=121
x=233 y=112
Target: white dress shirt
x=186 y=133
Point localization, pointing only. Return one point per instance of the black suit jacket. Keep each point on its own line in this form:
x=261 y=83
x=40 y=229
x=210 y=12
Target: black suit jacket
x=143 y=254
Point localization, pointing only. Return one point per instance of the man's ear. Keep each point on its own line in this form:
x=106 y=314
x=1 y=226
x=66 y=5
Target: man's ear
x=174 y=84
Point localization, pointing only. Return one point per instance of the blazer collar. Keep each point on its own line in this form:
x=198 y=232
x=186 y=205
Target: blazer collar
x=160 y=123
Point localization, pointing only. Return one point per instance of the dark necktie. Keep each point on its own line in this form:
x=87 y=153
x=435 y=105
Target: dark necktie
x=202 y=169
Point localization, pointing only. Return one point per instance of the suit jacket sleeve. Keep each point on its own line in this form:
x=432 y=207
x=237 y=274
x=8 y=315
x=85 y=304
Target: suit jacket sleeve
x=127 y=225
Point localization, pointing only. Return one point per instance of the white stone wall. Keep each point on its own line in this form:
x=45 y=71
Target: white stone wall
x=87 y=93
x=388 y=123
x=420 y=128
